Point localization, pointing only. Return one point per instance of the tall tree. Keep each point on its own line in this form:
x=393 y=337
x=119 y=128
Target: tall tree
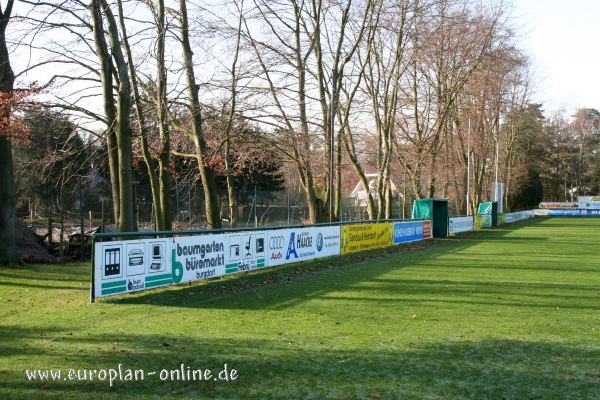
x=234 y=76
x=8 y=251
x=301 y=54
x=207 y=174
x=149 y=160
x=118 y=130
x=164 y=130
x=385 y=66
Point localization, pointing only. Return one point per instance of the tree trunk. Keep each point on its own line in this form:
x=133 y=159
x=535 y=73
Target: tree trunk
x=337 y=207
x=126 y=222
x=432 y=178
x=314 y=204
x=230 y=188
x=113 y=170
x=228 y=170
x=388 y=200
x=164 y=170
x=148 y=159
x=211 y=200
x=8 y=249
x=231 y=202
x=106 y=77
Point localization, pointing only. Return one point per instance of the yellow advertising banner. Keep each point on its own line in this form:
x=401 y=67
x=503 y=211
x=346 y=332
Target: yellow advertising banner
x=359 y=237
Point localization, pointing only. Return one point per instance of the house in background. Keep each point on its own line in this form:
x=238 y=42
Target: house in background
x=359 y=194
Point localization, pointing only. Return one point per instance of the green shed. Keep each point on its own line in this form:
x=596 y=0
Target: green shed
x=489 y=208
x=435 y=210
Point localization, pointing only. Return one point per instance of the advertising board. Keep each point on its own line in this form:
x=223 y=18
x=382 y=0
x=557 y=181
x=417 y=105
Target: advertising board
x=292 y=245
x=548 y=204
x=460 y=224
x=510 y=217
x=589 y=202
x=411 y=231
x=569 y=213
x=360 y=237
x=518 y=216
x=199 y=257
x=483 y=221
x=131 y=265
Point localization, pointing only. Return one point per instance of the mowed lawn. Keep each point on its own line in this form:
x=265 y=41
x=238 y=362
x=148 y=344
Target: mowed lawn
x=509 y=313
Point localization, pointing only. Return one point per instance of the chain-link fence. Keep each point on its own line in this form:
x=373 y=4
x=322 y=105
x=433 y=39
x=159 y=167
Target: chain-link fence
x=60 y=220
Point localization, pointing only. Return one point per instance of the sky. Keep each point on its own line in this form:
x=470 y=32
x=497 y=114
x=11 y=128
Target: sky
x=562 y=40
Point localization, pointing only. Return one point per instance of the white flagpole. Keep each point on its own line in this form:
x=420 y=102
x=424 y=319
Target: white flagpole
x=469 y=167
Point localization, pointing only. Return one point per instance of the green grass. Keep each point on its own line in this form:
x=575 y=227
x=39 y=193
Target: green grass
x=511 y=313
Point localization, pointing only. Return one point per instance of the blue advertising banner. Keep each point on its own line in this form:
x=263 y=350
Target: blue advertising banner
x=554 y=212
x=408 y=231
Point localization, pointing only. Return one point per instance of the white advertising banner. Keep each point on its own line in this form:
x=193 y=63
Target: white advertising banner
x=518 y=216
x=460 y=224
x=291 y=245
x=245 y=251
x=511 y=217
x=133 y=265
x=589 y=202
x=528 y=214
x=198 y=257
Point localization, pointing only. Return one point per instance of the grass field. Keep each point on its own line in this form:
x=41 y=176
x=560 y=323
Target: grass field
x=510 y=313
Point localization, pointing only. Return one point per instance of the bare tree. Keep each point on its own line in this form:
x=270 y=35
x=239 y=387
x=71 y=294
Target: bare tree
x=234 y=76
x=149 y=159
x=117 y=113
x=303 y=51
x=157 y=160
x=385 y=65
x=444 y=55
x=207 y=174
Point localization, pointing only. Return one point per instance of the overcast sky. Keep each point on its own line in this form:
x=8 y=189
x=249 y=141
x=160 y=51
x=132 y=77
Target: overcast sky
x=561 y=37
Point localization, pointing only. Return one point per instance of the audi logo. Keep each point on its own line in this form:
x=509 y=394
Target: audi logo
x=276 y=242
